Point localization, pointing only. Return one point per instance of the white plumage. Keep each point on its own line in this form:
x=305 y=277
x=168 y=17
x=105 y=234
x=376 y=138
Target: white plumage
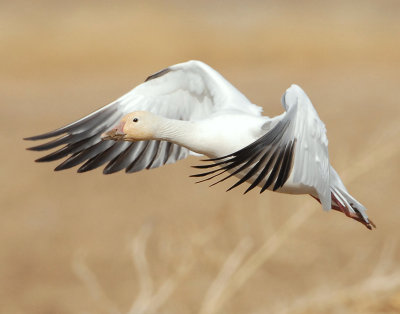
x=190 y=108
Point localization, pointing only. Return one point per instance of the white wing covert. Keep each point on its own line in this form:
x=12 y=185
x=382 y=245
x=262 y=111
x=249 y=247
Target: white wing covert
x=186 y=91
x=311 y=164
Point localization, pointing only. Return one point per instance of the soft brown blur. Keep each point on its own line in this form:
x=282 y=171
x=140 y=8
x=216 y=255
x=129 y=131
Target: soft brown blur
x=155 y=242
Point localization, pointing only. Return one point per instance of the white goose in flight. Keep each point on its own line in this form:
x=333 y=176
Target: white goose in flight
x=189 y=108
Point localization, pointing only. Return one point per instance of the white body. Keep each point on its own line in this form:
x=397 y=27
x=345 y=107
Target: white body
x=196 y=108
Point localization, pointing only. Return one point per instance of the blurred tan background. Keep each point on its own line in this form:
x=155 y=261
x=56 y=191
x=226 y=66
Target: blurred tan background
x=155 y=242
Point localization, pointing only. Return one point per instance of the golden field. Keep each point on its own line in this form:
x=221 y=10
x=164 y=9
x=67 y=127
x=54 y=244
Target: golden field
x=155 y=242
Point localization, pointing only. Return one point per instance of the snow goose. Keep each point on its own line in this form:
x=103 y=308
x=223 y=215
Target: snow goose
x=189 y=108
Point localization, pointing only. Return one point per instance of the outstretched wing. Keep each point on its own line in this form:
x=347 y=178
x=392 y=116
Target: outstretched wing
x=295 y=143
x=186 y=91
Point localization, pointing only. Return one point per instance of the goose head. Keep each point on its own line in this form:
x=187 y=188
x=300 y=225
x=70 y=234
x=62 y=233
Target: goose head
x=135 y=126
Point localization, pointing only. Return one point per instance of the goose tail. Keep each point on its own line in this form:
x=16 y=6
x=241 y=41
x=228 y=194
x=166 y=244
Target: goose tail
x=344 y=202
x=347 y=204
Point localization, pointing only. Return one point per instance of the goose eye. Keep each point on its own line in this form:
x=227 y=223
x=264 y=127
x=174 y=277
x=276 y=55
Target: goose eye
x=135 y=120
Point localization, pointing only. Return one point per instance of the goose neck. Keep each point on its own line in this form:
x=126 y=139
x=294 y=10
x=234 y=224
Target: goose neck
x=176 y=131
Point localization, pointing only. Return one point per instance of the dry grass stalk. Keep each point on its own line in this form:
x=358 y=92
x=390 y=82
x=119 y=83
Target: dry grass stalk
x=89 y=279
x=382 y=279
x=148 y=300
x=222 y=280
x=258 y=258
x=142 y=302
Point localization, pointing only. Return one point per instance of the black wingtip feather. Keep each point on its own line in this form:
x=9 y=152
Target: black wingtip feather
x=47 y=135
x=283 y=167
x=54 y=155
x=102 y=158
x=232 y=166
x=274 y=172
x=96 y=117
x=211 y=165
x=124 y=159
x=59 y=168
x=289 y=163
x=52 y=144
x=39 y=137
x=219 y=158
x=141 y=160
x=84 y=155
x=203 y=174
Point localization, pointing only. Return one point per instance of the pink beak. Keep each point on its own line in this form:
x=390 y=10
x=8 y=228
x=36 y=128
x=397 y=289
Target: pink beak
x=120 y=128
x=115 y=133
